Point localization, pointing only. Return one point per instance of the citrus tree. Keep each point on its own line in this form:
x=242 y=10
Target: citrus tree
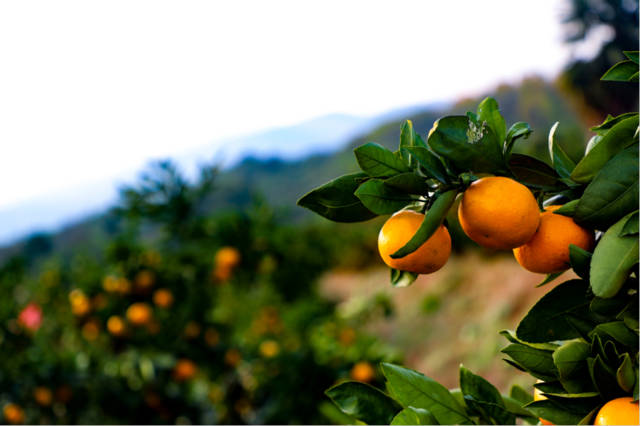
x=580 y=340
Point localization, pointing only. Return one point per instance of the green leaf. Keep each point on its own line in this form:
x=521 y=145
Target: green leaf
x=466 y=145
x=515 y=407
x=516 y=131
x=613 y=192
x=377 y=161
x=622 y=71
x=409 y=183
x=402 y=278
x=411 y=388
x=533 y=360
x=560 y=160
x=631 y=226
x=414 y=416
x=619 y=137
x=547 y=321
x=568 y=209
x=407 y=139
x=510 y=336
x=603 y=378
x=335 y=200
x=554 y=412
x=532 y=172
x=489 y=112
x=632 y=55
x=571 y=358
x=580 y=261
x=431 y=164
x=519 y=394
x=618 y=331
x=432 y=221
x=611 y=121
x=380 y=198
x=612 y=261
x=483 y=398
x=625 y=374
x=550 y=278
x=364 y=402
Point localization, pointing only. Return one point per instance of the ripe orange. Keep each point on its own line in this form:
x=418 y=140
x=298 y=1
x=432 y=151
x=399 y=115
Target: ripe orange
x=139 y=313
x=13 y=414
x=184 y=369
x=269 y=348
x=362 y=372
x=80 y=303
x=548 y=249
x=498 y=213
x=116 y=325
x=619 y=411
x=43 y=396
x=538 y=396
x=398 y=230
x=227 y=257
x=163 y=298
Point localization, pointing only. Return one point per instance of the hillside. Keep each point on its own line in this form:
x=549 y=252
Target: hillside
x=281 y=182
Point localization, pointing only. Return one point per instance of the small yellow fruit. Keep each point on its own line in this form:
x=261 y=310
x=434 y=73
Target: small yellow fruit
x=619 y=411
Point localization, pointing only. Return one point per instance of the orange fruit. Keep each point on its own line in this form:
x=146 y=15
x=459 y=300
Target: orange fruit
x=269 y=348
x=398 y=230
x=163 y=298
x=91 y=330
x=116 y=325
x=362 y=372
x=43 y=396
x=499 y=213
x=538 y=396
x=13 y=414
x=80 y=303
x=227 y=257
x=184 y=369
x=548 y=250
x=144 y=279
x=619 y=411
x=139 y=314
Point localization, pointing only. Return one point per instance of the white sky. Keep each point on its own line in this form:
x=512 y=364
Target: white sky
x=88 y=88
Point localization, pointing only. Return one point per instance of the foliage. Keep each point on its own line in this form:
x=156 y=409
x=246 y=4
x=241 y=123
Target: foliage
x=580 y=339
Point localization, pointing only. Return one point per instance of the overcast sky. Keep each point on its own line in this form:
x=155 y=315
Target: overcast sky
x=89 y=89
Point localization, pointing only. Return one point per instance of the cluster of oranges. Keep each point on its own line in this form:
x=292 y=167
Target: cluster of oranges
x=497 y=213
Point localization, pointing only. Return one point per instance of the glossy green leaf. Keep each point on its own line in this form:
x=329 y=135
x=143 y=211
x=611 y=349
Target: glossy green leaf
x=483 y=398
x=489 y=112
x=619 y=137
x=612 y=261
x=336 y=201
x=533 y=360
x=631 y=226
x=407 y=139
x=632 y=55
x=516 y=131
x=430 y=163
x=402 y=278
x=377 y=161
x=554 y=412
x=571 y=358
x=604 y=378
x=432 y=221
x=613 y=193
x=520 y=394
x=611 y=121
x=568 y=209
x=411 y=388
x=532 y=172
x=546 y=321
x=466 y=145
x=515 y=407
x=618 y=331
x=622 y=71
x=626 y=375
x=409 y=183
x=561 y=162
x=414 y=416
x=580 y=261
x=510 y=336
x=364 y=402
x=550 y=278
x=380 y=198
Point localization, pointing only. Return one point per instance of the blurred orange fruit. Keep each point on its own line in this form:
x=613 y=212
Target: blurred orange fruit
x=116 y=325
x=232 y=357
x=91 y=330
x=548 y=250
x=227 y=257
x=363 y=372
x=269 y=348
x=619 y=411
x=163 y=298
x=498 y=213
x=398 y=230
x=80 y=303
x=139 y=314
x=185 y=369
x=144 y=279
x=43 y=396
x=13 y=414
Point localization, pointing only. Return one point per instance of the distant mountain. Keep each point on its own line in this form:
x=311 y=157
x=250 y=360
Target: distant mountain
x=281 y=177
